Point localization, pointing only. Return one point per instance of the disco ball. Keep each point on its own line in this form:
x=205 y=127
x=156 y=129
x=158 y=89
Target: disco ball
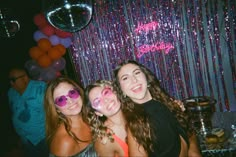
x=68 y=15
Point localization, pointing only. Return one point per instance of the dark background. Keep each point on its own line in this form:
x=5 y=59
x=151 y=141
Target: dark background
x=14 y=50
x=14 y=53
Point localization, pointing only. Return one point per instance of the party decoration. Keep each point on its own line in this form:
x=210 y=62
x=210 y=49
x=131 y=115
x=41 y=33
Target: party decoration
x=46 y=57
x=45 y=73
x=44 y=61
x=39 y=35
x=189 y=45
x=35 y=52
x=59 y=64
x=48 y=74
x=54 y=53
x=66 y=42
x=39 y=20
x=54 y=39
x=62 y=34
x=58 y=73
x=33 y=69
x=48 y=30
x=68 y=15
x=49 y=37
x=61 y=48
x=9 y=25
x=44 y=44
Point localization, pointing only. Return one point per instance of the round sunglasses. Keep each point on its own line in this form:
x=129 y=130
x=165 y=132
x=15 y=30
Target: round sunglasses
x=97 y=103
x=62 y=100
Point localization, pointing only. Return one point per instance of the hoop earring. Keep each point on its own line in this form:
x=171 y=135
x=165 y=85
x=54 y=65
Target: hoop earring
x=124 y=95
x=98 y=114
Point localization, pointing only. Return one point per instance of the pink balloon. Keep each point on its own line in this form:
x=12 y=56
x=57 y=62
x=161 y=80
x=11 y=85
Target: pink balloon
x=40 y=20
x=48 y=30
x=63 y=34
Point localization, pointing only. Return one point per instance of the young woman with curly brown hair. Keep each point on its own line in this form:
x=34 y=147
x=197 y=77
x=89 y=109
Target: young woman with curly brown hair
x=106 y=119
x=170 y=133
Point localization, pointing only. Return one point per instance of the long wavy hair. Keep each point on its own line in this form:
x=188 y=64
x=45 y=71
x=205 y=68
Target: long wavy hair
x=97 y=123
x=99 y=130
x=54 y=118
x=157 y=93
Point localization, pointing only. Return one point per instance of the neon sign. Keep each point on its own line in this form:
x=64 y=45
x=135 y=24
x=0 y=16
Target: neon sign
x=145 y=48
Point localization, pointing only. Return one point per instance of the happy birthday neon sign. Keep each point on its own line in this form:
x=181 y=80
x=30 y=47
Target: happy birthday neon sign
x=145 y=48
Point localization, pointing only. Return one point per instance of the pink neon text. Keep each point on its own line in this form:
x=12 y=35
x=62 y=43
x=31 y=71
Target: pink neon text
x=146 y=27
x=152 y=48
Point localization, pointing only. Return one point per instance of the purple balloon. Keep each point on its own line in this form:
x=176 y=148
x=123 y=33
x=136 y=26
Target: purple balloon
x=54 y=39
x=39 y=35
x=33 y=69
x=66 y=42
x=59 y=64
x=48 y=74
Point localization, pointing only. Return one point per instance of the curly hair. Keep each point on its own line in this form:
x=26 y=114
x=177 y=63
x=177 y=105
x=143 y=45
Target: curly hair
x=96 y=123
x=135 y=116
x=54 y=118
x=157 y=93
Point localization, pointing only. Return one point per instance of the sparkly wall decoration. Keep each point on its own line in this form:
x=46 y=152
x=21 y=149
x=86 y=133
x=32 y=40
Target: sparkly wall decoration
x=189 y=44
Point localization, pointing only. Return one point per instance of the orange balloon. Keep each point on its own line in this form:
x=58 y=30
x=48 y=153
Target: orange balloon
x=61 y=48
x=54 y=53
x=35 y=52
x=44 y=44
x=44 y=61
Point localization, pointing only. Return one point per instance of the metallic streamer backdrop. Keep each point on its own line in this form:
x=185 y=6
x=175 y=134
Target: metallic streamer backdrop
x=189 y=44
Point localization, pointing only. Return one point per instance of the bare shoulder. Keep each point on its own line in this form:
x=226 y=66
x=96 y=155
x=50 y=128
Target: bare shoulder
x=103 y=143
x=63 y=144
x=104 y=147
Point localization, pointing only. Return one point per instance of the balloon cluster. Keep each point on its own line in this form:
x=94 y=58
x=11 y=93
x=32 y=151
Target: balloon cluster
x=44 y=53
x=54 y=35
x=47 y=56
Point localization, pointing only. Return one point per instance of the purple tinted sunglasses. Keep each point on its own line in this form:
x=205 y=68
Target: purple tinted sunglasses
x=62 y=100
x=106 y=92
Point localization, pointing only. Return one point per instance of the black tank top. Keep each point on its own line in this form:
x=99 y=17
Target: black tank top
x=166 y=129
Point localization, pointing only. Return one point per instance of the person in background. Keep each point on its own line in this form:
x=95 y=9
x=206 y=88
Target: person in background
x=67 y=131
x=106 y=120
x=170 y=133
x=25 y=98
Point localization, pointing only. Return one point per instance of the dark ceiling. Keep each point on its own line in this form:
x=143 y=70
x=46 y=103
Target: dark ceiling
x=14 y=50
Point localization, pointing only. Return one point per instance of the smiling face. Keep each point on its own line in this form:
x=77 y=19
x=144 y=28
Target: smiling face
x=133 y=83
x=67 y=99
x=104 y=101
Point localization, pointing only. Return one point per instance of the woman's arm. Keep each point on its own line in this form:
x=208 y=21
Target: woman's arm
x=135 y=149
x=194 y=149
